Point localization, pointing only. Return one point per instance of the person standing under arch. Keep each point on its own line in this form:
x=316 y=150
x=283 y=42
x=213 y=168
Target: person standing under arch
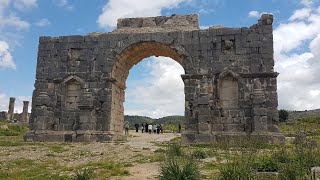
x=126 y=128
x=146 y=127
x=142 y=128
x=150 y=128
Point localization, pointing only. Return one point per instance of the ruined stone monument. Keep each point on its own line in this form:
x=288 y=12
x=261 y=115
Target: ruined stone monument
x=10 y=114
x=230 y=84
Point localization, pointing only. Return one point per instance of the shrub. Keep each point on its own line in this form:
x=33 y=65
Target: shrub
x=298 y=163
x=174 y=149
x=83 y=174
x=179 y=169
x=291 y=171
x=281 y=156
x=238 y=167
x=234 y=171
x=267 y=164
x=199 y=154
x=283 y=115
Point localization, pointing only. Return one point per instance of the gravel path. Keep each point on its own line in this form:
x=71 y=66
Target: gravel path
x=148 y=141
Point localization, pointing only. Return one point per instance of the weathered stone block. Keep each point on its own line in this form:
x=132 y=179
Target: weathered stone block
x=204 y=118
x=233 y=128
x=259 y=111
x=260 y=123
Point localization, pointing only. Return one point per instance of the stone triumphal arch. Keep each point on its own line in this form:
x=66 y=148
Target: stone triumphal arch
x=230 y=85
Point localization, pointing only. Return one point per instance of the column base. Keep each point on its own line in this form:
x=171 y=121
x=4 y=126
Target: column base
x=73 y=136
x=230 y=137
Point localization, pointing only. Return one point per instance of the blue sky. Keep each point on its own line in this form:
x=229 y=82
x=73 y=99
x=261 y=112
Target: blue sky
x=296 y=36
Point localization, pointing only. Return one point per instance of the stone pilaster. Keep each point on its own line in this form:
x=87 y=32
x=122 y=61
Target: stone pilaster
x=259 y=112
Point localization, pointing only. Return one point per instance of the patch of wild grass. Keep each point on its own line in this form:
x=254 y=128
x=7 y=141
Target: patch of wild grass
x=157 y=157
x=57 y=148
x=179 y=169
x=174 y=149
x=309 y=125
x=83 y=174
x=12 y=129
x=178 y=165
x=106 y=168
x=295 y=163
x=29 y=169
x=238 y=166
x=199 y=154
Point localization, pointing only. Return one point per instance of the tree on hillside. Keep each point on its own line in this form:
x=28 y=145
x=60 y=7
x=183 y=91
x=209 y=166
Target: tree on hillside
x=283 y=115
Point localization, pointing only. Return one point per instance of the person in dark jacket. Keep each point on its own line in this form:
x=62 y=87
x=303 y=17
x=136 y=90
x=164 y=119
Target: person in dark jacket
x=137 y=127
x=146 y=128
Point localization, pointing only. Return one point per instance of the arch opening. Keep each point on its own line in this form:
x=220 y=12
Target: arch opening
x=124 y=63
x=154 y=88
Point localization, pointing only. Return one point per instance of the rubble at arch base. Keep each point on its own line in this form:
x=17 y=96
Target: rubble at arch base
x=230 y=84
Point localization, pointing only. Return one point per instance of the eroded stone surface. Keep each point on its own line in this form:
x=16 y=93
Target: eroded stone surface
x=230 y=83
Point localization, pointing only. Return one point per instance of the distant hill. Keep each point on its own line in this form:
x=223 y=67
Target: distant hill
x=293 y=115
x=143 y=119
x=173 y=120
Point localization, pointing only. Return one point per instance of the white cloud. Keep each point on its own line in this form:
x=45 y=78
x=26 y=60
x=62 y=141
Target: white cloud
x=3 y=5
x=254 y=14
x=6 y=60
x=301 y=14
x=23 y=4
x=160 y=94
x=115 y=9
x=3 y=100
x=291 y=35
x=257 y=14
x=297 y=56
x=63 y=4
x=204 y=27
x=307 y=2
x=43 y=22
x=13 y=21
x=10 y=25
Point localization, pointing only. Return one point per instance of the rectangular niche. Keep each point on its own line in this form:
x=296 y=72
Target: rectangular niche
x=229 y=93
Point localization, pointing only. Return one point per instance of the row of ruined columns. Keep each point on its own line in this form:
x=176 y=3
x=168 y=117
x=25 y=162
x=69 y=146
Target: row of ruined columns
x=24 y=114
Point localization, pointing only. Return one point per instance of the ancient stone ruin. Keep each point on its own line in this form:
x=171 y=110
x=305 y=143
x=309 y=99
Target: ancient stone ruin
x=230 y=84
x=10 y=116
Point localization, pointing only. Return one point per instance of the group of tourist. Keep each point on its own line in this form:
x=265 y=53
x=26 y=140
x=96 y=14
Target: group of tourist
x=149 y=128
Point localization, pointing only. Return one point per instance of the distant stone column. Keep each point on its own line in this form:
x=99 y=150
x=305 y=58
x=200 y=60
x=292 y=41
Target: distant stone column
x=24 y=118
x=10 y=114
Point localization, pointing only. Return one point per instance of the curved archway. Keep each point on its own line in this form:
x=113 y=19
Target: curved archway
x=126 y=59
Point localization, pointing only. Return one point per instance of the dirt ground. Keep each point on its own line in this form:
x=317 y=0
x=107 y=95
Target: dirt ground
x=146 y=141
x=133 y=152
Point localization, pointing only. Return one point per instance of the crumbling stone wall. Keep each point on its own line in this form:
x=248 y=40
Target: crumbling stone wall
x=230 y=83
x=3 y=115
